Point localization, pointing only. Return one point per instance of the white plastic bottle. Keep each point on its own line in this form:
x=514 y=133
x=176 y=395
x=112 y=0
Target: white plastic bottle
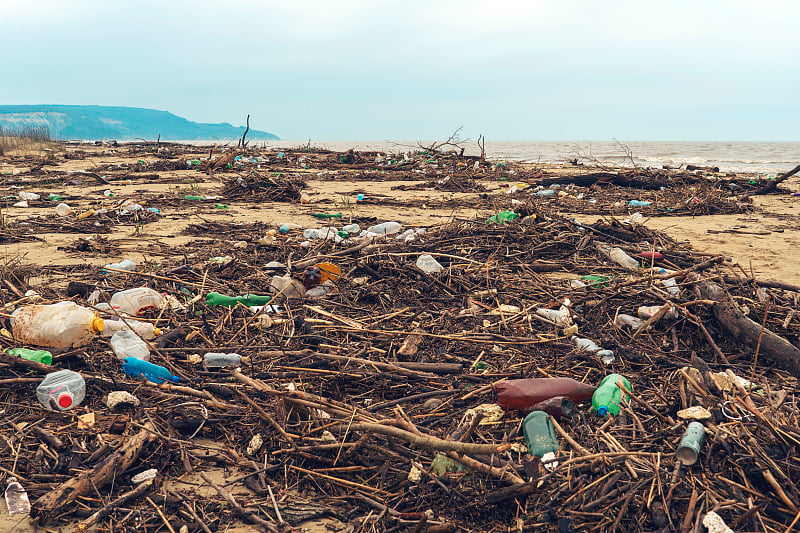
x=136 y=301
x=223 y=360
x=385 y=228
x=126 y=343
x=628 y=321
x=17 y=498
x=126 y=264
x=60 y=325
x=61 y=391
x=145 y=330
x=560 y=316
x=428 y=264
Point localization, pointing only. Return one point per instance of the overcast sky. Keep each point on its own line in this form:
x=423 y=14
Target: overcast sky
x=391 y=69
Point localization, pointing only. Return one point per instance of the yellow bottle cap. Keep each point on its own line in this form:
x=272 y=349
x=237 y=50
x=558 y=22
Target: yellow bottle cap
x=156 y=332
x=97 y=325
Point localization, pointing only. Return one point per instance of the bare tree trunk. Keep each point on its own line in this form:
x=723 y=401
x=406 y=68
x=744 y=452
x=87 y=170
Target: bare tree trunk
x=242 y=142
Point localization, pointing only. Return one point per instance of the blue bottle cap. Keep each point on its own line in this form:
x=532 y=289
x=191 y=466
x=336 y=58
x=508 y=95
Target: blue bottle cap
x=360 y=197
x=602 y=410
x=175 y=379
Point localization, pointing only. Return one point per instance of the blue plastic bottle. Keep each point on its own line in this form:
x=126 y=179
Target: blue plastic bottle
x=138 y=368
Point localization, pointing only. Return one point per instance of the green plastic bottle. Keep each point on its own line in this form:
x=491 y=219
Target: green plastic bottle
x=323 y=216
x=607 y=399
x=193 y=197
x=214 y=299
x=539 y=434
x=40 y=356
x=502 y=218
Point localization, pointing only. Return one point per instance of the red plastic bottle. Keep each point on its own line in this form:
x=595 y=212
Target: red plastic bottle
x=525 y=393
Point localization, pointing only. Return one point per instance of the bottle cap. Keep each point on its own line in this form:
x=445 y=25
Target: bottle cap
x=602 y=410
x=156 y=332
x=97 y=325
x=65 y=400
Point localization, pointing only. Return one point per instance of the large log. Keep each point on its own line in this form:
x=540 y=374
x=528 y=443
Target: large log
x=94 y=479
x=773 y=347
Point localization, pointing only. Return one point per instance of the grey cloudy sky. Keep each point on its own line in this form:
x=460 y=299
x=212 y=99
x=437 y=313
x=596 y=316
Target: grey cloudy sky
x=389 y=69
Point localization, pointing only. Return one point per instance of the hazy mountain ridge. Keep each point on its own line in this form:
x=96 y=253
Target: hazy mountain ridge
x=91 y=122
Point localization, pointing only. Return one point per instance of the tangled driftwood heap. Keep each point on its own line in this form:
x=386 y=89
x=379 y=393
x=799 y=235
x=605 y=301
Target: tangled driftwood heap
x=361 y=406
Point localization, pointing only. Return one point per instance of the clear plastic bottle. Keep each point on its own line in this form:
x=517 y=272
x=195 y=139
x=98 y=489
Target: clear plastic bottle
x=145 y=330
x=61 y=391
x=560 y=316
x=385 y=228
x=428 y=264
x=647 y=311
x=16 y=498
x=59 y=325
x=619 y=256
x=126 y=343
x=136 y=301
x=223 y=360
x=628 y=321
x=127 y=264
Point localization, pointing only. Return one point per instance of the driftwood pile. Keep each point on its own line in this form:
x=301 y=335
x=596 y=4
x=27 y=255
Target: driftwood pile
x=363 y=406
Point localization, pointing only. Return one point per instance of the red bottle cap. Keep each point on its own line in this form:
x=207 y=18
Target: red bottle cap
x=651 y=255
x=65 y=400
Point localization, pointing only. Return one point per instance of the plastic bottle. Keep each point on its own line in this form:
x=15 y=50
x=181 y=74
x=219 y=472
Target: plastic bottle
x=627 y=321
x=223 y=360
x=320 y=233
x=62 y=390
x=16 y=498
x=524 y=393
x=545 y=192
x=619 y=256
x=385 y=228
x=607 y=399
x=560 y=316
x=557 y=407
x=214 y=299
x=540 y=436
x=145 y=330
x=138 y=369
x=692 y=440
x=40 y=356
x=352 y=229
x=639 y=203
x=428 y=264
x=647 y=311
x=126 y=343
x=60 y=325
x=127 y=264
x=589 y=346
x=136 y=301
x=672 y=286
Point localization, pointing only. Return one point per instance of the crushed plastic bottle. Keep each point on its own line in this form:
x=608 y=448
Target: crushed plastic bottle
x=126 y=343
x=560 y=316
x=328 y=233
x=627 y=321
x=61 y=391
x=647 y=311
x=39 y=356
x=223 y=360
x=16 y=498
x=126 y=264
x=428 y=264
x=59 y=325
x=589 y=346
x=136 y=301
x=386 y=228
x=136 y=368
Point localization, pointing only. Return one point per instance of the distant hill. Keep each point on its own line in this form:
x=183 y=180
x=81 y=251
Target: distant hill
x=91 y=122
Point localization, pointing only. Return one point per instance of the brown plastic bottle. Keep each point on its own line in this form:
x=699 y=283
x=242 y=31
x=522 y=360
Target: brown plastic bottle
x=524 y=393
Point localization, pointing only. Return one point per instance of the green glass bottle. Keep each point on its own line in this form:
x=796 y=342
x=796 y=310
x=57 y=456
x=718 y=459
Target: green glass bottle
x=214 y=299
x=40 y=356
x=607 y=399
x=539 y=434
